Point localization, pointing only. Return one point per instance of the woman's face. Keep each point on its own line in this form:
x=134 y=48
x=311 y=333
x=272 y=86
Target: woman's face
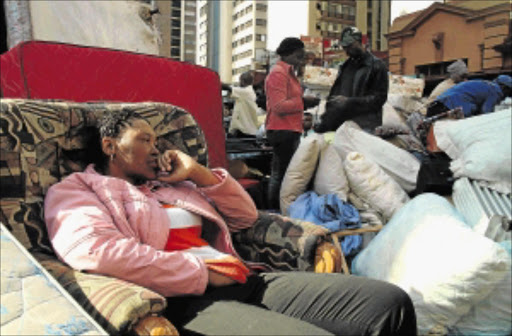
x=135 y=156
x=297 y=58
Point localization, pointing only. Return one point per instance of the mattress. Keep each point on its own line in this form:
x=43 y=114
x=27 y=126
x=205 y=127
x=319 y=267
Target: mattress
x=34 y=303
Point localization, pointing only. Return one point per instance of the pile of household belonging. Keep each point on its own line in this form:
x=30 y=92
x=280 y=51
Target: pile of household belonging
x=451 y=252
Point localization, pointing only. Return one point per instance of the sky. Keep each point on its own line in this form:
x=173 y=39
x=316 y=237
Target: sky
x=289 y=18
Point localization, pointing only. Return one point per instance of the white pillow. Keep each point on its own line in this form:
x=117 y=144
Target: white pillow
x=401 y=165
x=480 y=147
x=445 y=267
x=330 y=175
x=300 y=170
x=368 y=181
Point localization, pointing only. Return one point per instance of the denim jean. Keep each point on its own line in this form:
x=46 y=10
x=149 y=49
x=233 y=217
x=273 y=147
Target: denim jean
x=296 y=303
x=284 y=144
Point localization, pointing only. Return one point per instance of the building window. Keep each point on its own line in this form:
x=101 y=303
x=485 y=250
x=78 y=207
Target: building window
x=203 y=10
x=261 y=7
x=261 y=37
x=261 y=22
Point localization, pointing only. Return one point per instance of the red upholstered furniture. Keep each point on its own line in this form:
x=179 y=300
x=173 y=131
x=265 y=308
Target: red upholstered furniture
x=48 y=70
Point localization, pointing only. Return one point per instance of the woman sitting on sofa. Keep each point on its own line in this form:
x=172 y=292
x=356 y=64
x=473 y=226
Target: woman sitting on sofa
x=163 y=221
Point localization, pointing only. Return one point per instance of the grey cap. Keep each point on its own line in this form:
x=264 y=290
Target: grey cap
x=457 y=68
x=349 y=35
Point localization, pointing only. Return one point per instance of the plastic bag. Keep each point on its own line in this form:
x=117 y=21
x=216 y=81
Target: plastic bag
x=402 y=166
x=428 y=251
x=369 y=182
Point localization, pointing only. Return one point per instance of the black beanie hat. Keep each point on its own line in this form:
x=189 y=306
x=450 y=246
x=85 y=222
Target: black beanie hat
x=289 y=45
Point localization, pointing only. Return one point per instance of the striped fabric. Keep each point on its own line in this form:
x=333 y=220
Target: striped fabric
x=185 y=235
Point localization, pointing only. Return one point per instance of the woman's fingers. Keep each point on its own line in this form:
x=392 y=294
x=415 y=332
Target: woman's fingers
x=166 y=161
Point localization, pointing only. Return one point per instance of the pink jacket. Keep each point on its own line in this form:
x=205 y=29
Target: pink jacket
x=284 y=99
x=106 y=225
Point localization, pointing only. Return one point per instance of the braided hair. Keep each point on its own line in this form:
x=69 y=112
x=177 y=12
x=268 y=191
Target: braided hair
x=112 y=124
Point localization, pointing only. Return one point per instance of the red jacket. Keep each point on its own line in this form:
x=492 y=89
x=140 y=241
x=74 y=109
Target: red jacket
x=285 y=107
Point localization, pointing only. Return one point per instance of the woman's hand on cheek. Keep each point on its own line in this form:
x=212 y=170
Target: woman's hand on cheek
x=175 y=166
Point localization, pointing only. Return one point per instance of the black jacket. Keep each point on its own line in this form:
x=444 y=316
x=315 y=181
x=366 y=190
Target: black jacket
x=370 y=92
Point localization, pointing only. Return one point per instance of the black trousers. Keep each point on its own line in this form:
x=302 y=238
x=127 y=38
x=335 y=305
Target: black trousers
x=296 y=303
x=284 y=144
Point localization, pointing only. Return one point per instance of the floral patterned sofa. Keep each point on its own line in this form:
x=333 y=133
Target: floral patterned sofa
x=42 y=141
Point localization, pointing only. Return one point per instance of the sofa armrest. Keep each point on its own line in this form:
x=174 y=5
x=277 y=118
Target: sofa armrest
x=118 y=306
x=280 y=242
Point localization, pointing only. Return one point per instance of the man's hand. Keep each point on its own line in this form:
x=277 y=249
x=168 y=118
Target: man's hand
x=176 y=166
x=218 y=280
x=337 y=99
x=310 y=101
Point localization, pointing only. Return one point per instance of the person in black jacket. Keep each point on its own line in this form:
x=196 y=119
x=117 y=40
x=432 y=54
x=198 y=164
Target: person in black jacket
x=360 y=90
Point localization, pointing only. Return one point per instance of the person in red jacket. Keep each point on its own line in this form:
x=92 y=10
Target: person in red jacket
x=285 y=110
x=163 y=221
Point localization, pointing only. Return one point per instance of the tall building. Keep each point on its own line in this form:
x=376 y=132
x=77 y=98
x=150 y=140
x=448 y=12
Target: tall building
x=177 y=23
x=230 y=36
x=187 y=41
x=327 y=18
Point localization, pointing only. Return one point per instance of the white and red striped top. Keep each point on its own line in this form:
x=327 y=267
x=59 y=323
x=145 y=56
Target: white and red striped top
x=185 y=235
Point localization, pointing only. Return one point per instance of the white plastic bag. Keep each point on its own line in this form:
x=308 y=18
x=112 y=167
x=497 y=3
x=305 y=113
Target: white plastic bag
x=493 y=315
x=480 y=147
x=368 y=181
x=330 y=175
x=428 y=251
x=406 y=104
x=391 y=117
x=300 y=170
x=402 y=166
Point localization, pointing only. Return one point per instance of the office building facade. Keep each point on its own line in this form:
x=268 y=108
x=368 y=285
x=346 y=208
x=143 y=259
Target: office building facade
x=177 y=24
x=327 y=18
x=230 y=36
